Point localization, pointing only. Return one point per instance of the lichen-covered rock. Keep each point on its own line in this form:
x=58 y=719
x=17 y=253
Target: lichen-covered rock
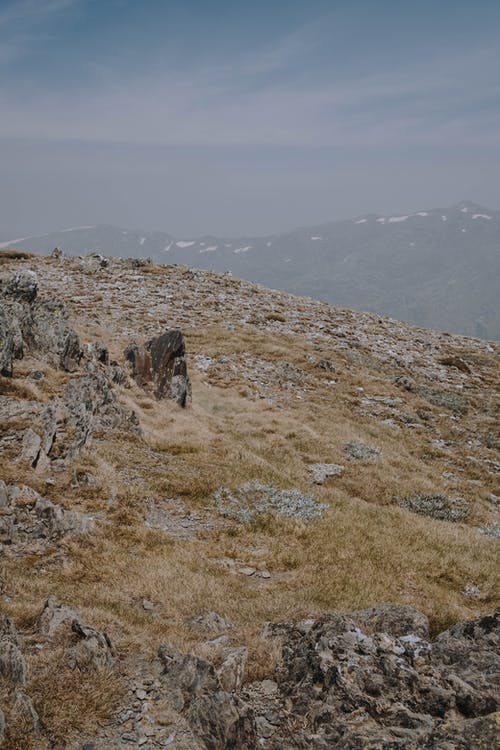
x=160 y=366
x=389 y=690
x=439 y=507
x=38 y=326
x=394 y=619
x=23 y=286
x=32 y=518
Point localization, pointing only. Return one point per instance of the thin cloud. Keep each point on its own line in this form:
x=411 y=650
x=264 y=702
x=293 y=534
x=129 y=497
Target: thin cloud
x=434 y=104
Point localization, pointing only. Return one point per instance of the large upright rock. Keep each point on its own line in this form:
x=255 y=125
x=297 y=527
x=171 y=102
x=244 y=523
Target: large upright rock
x=160 y=366
x=34 y=325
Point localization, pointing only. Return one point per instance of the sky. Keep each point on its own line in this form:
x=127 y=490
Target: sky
x=232 y=118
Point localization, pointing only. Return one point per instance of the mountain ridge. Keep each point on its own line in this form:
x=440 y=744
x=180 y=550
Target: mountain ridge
x=437 y=268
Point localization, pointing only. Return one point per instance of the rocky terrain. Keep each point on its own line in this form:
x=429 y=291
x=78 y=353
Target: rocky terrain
x=438 y=268
x=207 y=488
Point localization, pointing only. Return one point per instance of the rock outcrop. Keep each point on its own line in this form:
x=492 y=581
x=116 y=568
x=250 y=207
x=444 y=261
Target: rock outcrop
x=37 y=326
x=371 y=679
x=27 y=519
x=159 y=366
x=58 y=629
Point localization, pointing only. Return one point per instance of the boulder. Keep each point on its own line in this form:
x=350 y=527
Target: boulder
x=160 y=366
x=53 y=616
x=93 y=650
x=22 y=286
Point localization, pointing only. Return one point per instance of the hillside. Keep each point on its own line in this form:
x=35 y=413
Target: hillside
x=326 y=461
x=438 y=268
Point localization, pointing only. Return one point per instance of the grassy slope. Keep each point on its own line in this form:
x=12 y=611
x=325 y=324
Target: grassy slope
x=364 y=550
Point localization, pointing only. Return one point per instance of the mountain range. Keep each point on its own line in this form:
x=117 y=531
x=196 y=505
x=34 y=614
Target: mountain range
x=436 y=268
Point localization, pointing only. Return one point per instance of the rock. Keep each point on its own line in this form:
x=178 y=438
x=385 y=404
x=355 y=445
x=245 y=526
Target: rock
x=31 y=447
x=321 y=472
x=2 y=727
x=220 y=720
x=33 y=518
x=231 y=672
x=471 y=591
x=160 y=366
x=393 y=619
x=101 y=352
x=210 y=623
x=147 y=605
x=23 y=286
x=38 y=326
x=405 y=382
x=361 y=451
x=12 y=665
x=94 y=648
x=439 y=507
x=6 y=345
x=247 y=571
x=54 y=615
x=4 y=496
x=56 y=253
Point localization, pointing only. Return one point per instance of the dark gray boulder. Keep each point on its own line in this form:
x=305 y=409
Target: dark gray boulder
x=22 y=286
x=159 y=366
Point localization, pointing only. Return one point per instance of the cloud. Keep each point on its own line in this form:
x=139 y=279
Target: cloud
x=31 y=11
x=267 y=99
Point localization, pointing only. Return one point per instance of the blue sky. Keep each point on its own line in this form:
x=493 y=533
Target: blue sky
x=237 y=117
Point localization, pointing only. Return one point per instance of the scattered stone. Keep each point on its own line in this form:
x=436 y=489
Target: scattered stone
x=405 y=382
x=209 y=623
x=247 y=571
x=361 y=451
x=448 y=400
x=147 y=605
x=254 y=499
x=160 y=366
x=439 y=507
x=472 y=591
x=491 y=529
x=56 y=253
x=321 y=472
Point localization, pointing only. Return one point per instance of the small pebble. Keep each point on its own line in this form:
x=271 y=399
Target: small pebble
x=247 y=571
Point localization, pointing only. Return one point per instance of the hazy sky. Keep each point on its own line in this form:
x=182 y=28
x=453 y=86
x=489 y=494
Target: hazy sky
x=211 y=116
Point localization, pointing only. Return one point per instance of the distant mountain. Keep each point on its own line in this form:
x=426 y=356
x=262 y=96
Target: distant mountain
x=438 y=268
